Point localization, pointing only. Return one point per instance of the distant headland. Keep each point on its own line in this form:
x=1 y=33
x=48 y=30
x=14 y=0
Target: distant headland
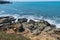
x=5 y=2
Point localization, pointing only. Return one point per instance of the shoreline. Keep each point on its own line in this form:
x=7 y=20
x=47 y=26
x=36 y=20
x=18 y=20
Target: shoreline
x=29 y=29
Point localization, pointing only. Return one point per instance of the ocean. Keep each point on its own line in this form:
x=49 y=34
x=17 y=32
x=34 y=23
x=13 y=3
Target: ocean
x=49 y=11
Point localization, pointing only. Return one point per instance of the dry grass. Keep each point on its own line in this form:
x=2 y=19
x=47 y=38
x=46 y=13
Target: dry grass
x=4 y=36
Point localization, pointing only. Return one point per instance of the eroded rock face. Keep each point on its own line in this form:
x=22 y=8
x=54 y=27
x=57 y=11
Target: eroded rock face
x=32 y=21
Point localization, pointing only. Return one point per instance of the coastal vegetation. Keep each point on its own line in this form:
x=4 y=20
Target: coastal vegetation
x=4 y=36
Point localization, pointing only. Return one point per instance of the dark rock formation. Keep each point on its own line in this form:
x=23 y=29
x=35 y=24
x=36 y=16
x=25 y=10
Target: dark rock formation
x=45 y=22
x=7 y=19
x=21 y=25
x=31 y=21
x=57 y=31
x=53 y=26
x=5 y=2
x=5 y=22
x=38 y=27
x=21 y=20
x=40 y=30
x=21 y=29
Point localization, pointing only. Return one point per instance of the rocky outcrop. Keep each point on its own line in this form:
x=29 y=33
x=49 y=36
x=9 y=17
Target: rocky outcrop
x=7 y=19
x=40 y=30
x=34 y=27
x=5 y=22
x=21 y=20
x=38 y=27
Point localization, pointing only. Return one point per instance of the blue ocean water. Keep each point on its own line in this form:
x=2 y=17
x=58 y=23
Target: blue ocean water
x=49 y=11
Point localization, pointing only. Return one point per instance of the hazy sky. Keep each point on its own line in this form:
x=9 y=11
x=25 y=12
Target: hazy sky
x=34 y=0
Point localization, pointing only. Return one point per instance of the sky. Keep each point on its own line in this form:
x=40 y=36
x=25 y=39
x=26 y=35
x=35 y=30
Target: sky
x=33 y=0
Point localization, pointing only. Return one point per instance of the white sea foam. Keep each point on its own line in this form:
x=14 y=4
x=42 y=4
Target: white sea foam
x=53 y=22
x=33 y=17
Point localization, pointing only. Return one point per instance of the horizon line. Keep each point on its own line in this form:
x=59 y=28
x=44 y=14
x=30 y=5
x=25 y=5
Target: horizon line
x=34 y=1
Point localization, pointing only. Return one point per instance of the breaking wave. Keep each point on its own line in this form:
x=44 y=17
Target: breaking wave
x=54 y=20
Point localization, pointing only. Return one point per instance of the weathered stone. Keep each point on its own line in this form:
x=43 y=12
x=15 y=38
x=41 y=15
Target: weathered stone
x=57 y=31
x=21 y=20
x=16 y=25
x=21 y=29
x=11 y=31
x=37 y=27
x=7 y=19
x=48 y=28
x=32 y=21
x=36 y=32
x=53 y=26
x=44 y=22
x=25 y=24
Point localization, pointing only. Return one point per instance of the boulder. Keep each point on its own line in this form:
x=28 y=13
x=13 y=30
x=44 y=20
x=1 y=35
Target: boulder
x=4 y=26
x=2 y=20
x=21 y=29
x=15 y=25
x=41 y=23
x=48 y=28
x=7 y=19
x=5 y=22
x=36 y=31
x=53 y=26
x=44 y=22
x=31 y=21
x=22 y=20
x=27 y=25
x=32 y=27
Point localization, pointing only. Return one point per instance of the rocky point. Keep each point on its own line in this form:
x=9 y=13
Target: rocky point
x=35 y=30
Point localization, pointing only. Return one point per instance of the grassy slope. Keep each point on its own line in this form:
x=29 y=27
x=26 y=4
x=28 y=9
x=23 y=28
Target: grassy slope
x=4 y=36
